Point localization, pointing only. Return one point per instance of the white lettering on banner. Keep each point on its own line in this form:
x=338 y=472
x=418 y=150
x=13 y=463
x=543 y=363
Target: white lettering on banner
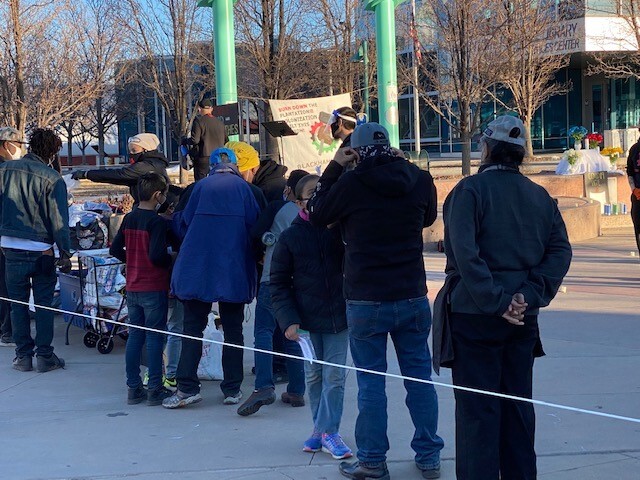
x=564 y=37
x=313 y=147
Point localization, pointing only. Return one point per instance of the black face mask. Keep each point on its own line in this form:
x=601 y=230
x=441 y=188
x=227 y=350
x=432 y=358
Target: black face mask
x=134 y=157
x=334 y=129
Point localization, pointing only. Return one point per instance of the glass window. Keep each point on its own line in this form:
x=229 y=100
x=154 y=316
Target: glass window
x=599 y=8
x=405 y=111
x=429 y=121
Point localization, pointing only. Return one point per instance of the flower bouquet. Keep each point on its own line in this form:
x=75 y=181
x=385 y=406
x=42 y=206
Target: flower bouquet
x=594 y=140
x=613 y=153
x=571 y=156
x=577 y=133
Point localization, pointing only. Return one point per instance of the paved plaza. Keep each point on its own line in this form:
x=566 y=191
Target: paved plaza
x=75 y=423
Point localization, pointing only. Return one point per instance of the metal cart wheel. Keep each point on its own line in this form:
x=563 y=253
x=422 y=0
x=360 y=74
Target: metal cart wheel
x=91 y=339
x=105 y=345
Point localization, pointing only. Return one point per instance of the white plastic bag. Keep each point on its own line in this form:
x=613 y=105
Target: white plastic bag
x=210 y=367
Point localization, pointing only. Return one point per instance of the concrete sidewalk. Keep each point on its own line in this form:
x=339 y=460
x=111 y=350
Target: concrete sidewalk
x=75 y=424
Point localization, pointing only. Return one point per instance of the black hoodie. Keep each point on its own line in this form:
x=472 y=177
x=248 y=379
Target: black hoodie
x=382 y=207
x=270 y=179
x=153 y=161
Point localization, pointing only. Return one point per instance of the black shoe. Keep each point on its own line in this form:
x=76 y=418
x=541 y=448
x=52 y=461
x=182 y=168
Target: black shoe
x=293 y=399
x=257 y=399
x=155 y=397
x=24 y=364
x=357 y=471
x=136 y=395
x=430 y=473
x=46 y=364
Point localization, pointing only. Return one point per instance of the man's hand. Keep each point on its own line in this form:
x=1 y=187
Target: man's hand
x=292 y=332
x=636 y=192
x=79 y=174
x=345 y=156
x=515 y=313
x=397 y=152
x=64 y=263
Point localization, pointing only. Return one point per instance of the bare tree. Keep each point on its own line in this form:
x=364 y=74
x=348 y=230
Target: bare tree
x=165 y=35
x=461 y=64
x=526 y=64
x=622 y=36
x=275 y=49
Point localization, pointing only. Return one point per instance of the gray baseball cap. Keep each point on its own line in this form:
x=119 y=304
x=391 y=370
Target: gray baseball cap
x=8 y=134
x=369 y=134
x=506 y=128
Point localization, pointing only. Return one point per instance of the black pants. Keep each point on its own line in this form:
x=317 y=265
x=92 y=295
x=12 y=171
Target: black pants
x=201 y=168
x=635 y=217
x=195 y=321
x=5 y=307
x=494 y=437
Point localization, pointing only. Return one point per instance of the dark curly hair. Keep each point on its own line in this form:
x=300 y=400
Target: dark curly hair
x=45 y=143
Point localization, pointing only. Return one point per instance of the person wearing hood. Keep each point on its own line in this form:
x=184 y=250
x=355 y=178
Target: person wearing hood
x=215 y=264
x=144 y=157
x=269 y=177
x=382 y=205
x=507 y=254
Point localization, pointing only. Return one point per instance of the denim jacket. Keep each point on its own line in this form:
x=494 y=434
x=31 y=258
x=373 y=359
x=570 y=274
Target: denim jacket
x=33 y=202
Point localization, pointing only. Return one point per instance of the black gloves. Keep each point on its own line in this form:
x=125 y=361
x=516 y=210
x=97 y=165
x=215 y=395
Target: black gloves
x=79 y=174
x=64 y=263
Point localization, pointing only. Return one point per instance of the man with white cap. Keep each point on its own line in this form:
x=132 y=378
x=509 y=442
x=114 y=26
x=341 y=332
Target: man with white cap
x=144 y=157
x=507 y=253
x=10 y=144
x=10 y=149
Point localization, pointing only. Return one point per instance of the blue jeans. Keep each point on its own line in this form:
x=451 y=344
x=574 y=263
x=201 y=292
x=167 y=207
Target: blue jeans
x=147 y=309
x=26 y=271
x=326 y=384
x=408 y=322
x=175 y=324
x=265 y=325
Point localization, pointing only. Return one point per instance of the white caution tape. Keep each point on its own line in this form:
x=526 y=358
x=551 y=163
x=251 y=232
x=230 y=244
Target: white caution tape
x=347 y=367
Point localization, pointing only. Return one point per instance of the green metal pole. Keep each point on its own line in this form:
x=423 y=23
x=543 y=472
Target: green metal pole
x=224 y=51
x=365 y=60
x=387 y=69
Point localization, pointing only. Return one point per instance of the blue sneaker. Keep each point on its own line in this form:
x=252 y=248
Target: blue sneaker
x=335 y=446
x=313 y=443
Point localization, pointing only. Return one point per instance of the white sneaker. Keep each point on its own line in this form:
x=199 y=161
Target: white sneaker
x=4 y=343
x=233 y=399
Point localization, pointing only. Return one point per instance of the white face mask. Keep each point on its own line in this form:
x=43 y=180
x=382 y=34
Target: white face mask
x=17 y=155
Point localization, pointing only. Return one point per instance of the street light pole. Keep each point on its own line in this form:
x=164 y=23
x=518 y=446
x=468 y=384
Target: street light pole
x=365 y=61
x=387 y=67
x=416 y=96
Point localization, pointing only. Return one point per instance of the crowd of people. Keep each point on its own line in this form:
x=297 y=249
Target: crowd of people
x=337 y=259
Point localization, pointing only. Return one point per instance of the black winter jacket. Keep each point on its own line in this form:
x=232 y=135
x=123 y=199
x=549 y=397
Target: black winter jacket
x=270 y=179
x=382 y=206
x=153 y=161
x=306 y=279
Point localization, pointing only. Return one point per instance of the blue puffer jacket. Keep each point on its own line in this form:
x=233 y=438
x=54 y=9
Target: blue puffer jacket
x=216 y=261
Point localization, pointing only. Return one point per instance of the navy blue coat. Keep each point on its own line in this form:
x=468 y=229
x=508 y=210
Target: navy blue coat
x=216 y=262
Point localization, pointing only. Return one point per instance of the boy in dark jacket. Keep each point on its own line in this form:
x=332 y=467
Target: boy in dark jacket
x=144 y=236
x=306 y=283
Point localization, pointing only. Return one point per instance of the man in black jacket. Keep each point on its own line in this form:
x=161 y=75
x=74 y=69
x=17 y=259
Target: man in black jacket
x=145 y=158
x=207 y=135
x=507 y=245
x=342 y=123
x=382 y=205
x=633 y=172
x=30 y=189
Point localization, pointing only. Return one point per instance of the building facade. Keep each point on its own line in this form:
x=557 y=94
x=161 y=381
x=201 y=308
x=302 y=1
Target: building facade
x=611 y=106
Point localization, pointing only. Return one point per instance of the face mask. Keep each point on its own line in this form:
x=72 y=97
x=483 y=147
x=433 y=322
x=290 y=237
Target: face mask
x=17 y=155
x=134 y=157
x=334 y=130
